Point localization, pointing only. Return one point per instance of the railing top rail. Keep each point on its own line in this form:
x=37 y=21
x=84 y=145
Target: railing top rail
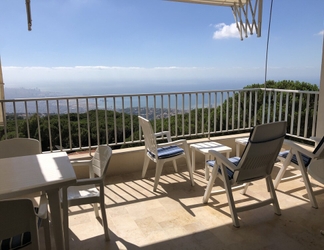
x=125 y=95
x=290 y=91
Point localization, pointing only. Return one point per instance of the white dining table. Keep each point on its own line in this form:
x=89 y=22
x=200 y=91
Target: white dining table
x=47 y=172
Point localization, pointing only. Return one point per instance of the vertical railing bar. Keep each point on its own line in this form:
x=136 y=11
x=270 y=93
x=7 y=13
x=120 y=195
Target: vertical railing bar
x=233 y=111
x=255 y=108
x=169 y=113
x=264 y=103
x=244 y=111
x=202 y=113
x=239 y=111
x=250 y=108
x=227 y=108
x=196 y=115
x=115 y=121
x=292 y=114
x=16 y=122
x=162 y=112
x=176 y=115
x=49 y=126
x=97 y=122
x=123 y=118
x=154 y=111
x=287 y=106
x=79 y=124
x=315 y=112
x=274 y=106
x=59 y=123
x=88 y=124
x=131 y=117
x=306 y=115
x=183 y=113
x=269 y=106
x=69 y=122
x=209 y=104
x=27 y=119
x=280 y=106
x=299 y=113
x=189 y=115
x=38 y=123
x=221 y=113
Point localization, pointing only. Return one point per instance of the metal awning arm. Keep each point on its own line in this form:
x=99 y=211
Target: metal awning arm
x=244 y=12
x=29 y=20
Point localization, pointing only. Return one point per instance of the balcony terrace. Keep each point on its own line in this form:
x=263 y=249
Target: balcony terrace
x=174 y=216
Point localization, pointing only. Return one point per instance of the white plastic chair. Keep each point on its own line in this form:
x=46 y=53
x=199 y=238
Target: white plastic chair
x=256 y=163
x=19 y=147
x=163 y=152
x=86 y=192
x=305 y=161
x=19 y=223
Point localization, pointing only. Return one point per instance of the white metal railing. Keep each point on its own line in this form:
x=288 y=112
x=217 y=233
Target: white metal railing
x=82 y=122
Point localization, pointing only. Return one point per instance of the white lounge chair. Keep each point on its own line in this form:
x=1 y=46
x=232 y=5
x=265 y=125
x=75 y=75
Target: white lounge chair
x=256 y=163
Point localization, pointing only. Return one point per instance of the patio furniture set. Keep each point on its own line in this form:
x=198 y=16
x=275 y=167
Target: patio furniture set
x=25 y=170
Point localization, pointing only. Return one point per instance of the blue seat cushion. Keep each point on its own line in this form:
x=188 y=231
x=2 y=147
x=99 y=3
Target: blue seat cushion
x=167 y=152
x=305 y=158
x=18 y=241
x=235 y=160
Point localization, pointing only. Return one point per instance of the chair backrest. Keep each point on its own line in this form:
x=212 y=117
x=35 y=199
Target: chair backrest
x=149 y=138
x=261 y=152
x=100 y=160
x=319 y=150
x=19 y=147
x=16 y=217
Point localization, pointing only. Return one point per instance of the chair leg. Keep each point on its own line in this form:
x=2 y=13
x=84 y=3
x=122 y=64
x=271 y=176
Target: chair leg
x=246 y=187
x=66 y=220
x=95 y=208
x=190 y=170
x=145 y=165
x=308 y=185
x=45 y=223
x=230 y=198
x=282 y=170
x=103 y=213
x=272 y=191
x=175 y=166
x=158 y=172
x=210 y=184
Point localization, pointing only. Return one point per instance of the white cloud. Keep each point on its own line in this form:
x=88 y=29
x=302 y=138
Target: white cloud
x=321 y=33
x=226 y=31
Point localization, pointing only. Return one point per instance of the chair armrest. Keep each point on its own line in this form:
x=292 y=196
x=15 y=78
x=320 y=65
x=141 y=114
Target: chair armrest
x=296 y=148
x=80 y=163
x=166 y=133
x=173 y=143
x=42 y=209
x=82 y=182
x=221 y=159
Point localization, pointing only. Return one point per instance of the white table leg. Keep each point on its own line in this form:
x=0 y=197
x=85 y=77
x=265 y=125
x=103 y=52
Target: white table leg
x=55 y=207
x=207 y=157
x=193 y=159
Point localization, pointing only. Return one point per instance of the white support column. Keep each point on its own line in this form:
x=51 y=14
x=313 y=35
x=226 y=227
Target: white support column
x=320 y=117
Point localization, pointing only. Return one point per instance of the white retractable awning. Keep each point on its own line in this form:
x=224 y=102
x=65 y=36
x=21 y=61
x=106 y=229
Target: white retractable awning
x=247 y=13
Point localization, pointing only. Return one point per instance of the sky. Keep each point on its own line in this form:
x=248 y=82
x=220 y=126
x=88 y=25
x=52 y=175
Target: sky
x=140 y=46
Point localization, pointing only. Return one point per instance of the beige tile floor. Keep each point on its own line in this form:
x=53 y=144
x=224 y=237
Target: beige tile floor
x=175 y=217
